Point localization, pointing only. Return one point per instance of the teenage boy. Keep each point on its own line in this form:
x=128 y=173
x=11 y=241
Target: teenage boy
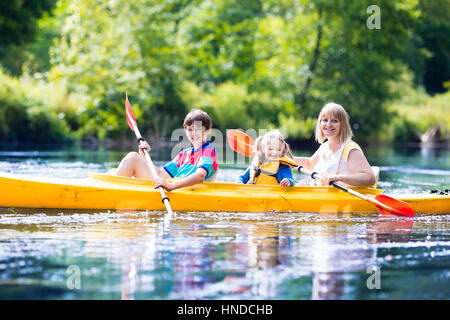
x=191 y=166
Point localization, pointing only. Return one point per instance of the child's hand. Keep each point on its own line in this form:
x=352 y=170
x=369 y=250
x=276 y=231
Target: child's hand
x=163 y=183
x=285 y=182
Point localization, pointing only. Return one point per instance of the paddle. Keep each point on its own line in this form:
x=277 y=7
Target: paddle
x=133 y=126
x=244 y=144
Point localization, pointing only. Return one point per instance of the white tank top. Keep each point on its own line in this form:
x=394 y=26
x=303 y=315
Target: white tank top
x=330 y=162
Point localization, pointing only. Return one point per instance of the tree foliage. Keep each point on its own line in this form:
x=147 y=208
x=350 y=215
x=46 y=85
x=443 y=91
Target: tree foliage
x=248 y=63
x=31 y=112
x=428 y=52
x=19 y=27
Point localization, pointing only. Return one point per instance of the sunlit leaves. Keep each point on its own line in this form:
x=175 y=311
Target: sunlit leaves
x=247 y=62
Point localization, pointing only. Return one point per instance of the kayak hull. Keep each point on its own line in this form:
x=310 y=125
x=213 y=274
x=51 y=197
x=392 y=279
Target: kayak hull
x=103 y=192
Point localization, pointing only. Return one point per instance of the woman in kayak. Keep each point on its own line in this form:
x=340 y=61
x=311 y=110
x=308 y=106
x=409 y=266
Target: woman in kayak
x=272 y=163
x=191 y=166
x=339 y=158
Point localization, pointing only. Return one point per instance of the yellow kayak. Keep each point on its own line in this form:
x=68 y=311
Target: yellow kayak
x=101 y=191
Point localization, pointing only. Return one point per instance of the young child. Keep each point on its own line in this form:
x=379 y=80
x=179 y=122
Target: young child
x=191 y=166
x=273 y=162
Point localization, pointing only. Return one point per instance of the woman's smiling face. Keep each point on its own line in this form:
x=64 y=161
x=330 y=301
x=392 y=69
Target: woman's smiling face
x=330 y=125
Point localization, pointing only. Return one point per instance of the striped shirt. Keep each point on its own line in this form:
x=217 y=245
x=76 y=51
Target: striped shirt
x=189 y=160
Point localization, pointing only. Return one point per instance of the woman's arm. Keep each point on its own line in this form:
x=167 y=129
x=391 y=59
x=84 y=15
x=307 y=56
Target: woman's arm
x=308 y=163
x=361 y=173
x=304 y=162
x=198 y=177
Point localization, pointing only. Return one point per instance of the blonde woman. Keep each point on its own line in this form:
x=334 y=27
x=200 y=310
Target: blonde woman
x=338 y=158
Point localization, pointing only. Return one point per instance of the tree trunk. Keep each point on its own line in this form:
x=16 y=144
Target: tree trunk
x=313 y=64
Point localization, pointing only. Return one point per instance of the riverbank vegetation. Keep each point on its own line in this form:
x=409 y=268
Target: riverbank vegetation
x=250 y=64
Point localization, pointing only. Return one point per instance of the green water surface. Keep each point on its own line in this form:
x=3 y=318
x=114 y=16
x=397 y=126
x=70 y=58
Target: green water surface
x=75 y=254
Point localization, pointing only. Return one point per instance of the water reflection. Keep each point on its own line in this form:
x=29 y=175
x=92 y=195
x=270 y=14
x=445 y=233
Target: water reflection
x=133 y=255
x=339 y=254
x=391 y=229
x=220 y=255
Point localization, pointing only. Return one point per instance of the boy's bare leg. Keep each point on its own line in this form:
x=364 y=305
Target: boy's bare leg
x=133 y=165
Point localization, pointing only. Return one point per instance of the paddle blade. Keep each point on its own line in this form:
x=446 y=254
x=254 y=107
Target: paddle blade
x=393 y=206
x=129 y=113
x=241 y=143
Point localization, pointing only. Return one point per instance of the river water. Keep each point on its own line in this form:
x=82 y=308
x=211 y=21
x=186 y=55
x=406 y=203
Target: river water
x=85 y=254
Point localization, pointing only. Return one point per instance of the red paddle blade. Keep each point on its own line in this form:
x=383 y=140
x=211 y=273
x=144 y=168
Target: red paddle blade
x=394 y=206
x=241 y=143
x=130 y=116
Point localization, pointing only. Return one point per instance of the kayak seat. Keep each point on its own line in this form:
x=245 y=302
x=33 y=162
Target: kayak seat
x=376 y=172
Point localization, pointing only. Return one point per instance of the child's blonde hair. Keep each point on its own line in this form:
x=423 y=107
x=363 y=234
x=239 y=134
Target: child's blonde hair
x=338 y=112
x=276 y=135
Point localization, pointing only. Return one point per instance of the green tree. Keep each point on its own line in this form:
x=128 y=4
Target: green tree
x=352 y=64
x=250 y=63
x=18 y=27
x=428 y=53
x=107 y=49
x=434 y=28
x=31 y=111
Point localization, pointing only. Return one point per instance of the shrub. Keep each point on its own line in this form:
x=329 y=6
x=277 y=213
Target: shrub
x=28 y=112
